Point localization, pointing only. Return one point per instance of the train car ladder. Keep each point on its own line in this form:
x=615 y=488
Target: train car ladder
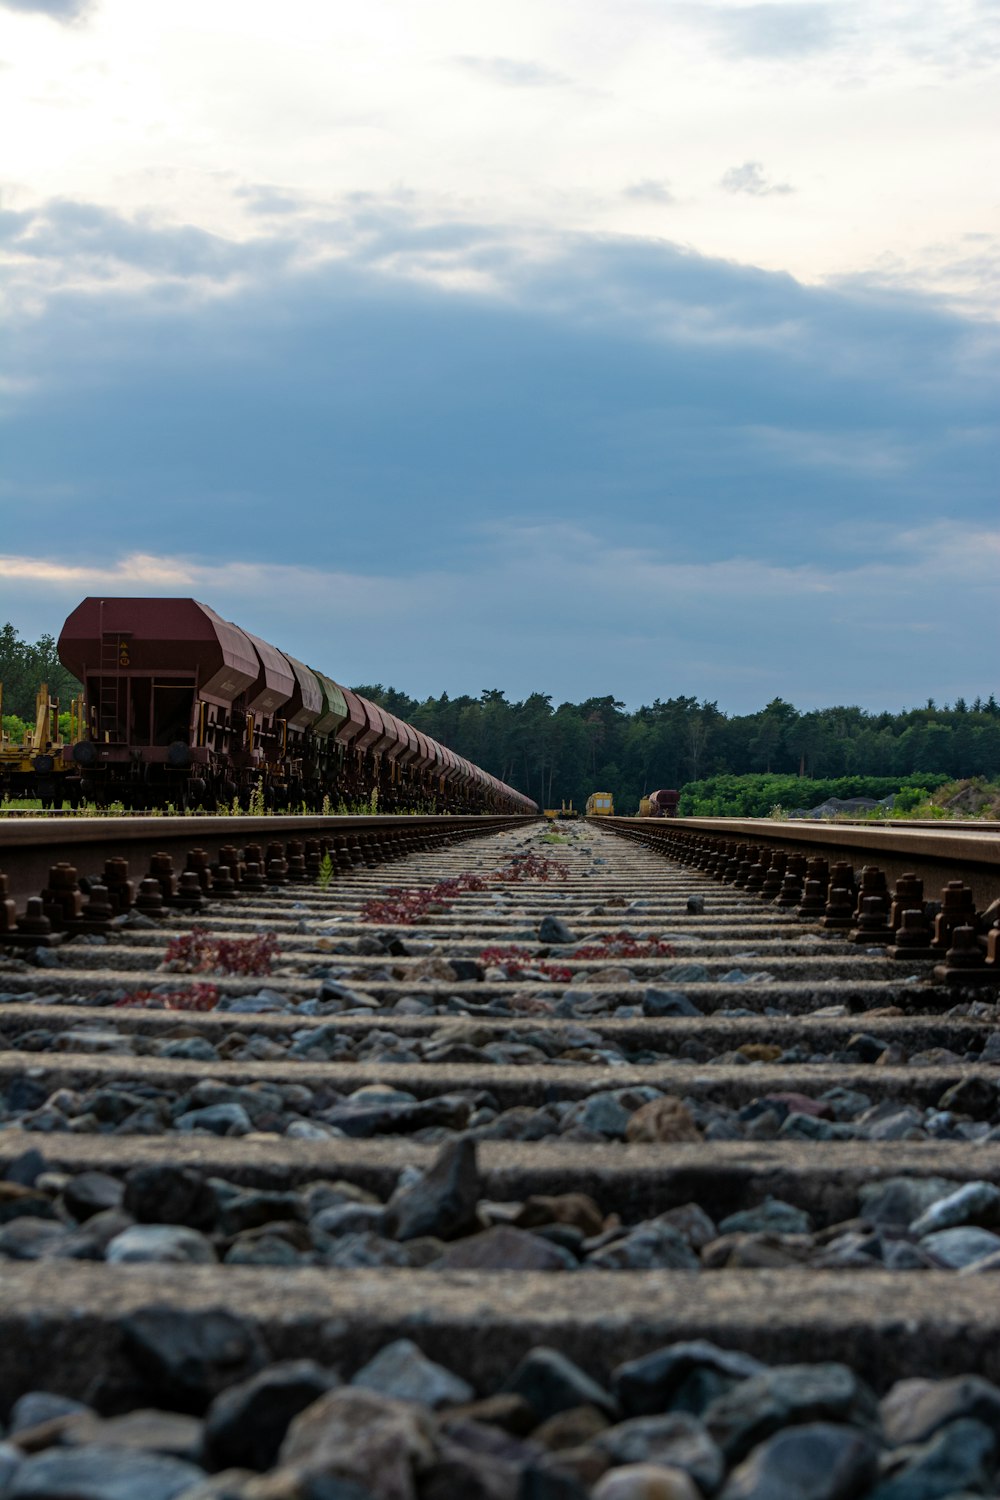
x=110 y=703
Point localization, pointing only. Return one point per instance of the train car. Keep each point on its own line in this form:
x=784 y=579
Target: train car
x=663 y=804
x=185 y=708
x=600 y=805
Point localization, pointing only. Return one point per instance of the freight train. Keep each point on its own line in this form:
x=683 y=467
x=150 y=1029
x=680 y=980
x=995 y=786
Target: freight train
x=662 y=804
x=184 y=708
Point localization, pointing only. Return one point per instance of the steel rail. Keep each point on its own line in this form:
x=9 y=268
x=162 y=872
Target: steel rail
x=936 y=854
x=30 y=847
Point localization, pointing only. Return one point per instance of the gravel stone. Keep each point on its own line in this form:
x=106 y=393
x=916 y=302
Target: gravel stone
x=676 y=1440
x=365 y=1437
x=246 y=1424
x=443 y=1201
x=682 y=1377
x=786 y=1394
x=915 y=1409
x=187 y=1358
x=101 y=1474
x=551 y=1383
x=817 y=1461
x=166 y=1194
x=401 y=1370
x=160 y=1242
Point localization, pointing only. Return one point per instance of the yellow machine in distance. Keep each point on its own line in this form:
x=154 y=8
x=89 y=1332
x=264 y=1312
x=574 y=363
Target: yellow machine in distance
x=567 y=810
x=34 y=768
x=600 y=805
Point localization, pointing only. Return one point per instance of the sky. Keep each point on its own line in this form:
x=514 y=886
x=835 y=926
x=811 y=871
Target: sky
x=647 y=348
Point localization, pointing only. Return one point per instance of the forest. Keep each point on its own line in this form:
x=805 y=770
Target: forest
x=566 y=752
x=574 y=749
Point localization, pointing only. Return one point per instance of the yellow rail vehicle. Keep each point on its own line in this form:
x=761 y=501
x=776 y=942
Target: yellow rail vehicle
x=567 y=810
x=600 y=805
x=35 y=768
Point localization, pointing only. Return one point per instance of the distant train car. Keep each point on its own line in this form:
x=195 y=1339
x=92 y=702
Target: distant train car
x=663 y=804
x=600 y=805
x=184 y=707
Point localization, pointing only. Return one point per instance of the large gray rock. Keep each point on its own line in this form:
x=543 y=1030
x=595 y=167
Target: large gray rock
x=900 y=1200
x=648 y=1247
x=90 y=1193
x=246 y=1424
x=817 y=1461
x=29 y=1238
x=359 y=1435
x=676 y=1439
x=962 y=1246
x=772 y=1216
x=165 y=1194
x=101 y=1474
x=36 y=1407
x=551 y=1383
x=443 y=1202
x=915 y=1409
x=187 y=1358
x=11 y=1459
x=786 y=1394
x=973 y=1203
x=554 y=930
x=402 y=1370
x=504 y=1248
x=171 y=1243
x=681 y=1377
x=668 y=1003
x=219 y=1119
x=959 y=1457
x=609 y=1112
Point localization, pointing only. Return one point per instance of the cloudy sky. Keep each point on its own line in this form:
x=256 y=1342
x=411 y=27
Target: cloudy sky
x=644 y=348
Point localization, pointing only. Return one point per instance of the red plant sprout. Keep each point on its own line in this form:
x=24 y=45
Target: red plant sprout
x=625 y=945
x=197 y=997
x=514 y=961
x=533 y=867
x=402 y=907
x=198 y=952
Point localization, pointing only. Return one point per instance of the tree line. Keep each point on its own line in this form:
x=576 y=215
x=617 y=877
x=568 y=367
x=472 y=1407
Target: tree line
x=552 y=753
x=24 y=666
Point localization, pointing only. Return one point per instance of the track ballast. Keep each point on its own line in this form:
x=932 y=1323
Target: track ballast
x=614 y=1195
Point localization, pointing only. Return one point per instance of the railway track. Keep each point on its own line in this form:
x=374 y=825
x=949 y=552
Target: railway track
x=625 y=1180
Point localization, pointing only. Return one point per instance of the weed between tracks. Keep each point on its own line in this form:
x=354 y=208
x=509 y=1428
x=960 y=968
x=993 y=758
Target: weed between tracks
x=514 y=961
x=402 y=906
x=197 y=997
x=626 y=945
x=198 y=952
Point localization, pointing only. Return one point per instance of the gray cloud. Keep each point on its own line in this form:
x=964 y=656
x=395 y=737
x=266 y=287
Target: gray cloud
x=778 y=31
x=59 y=10
x=751 y=178
x=86 y=236
x=349 y=409
x=650 y=190
x=514 y=73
